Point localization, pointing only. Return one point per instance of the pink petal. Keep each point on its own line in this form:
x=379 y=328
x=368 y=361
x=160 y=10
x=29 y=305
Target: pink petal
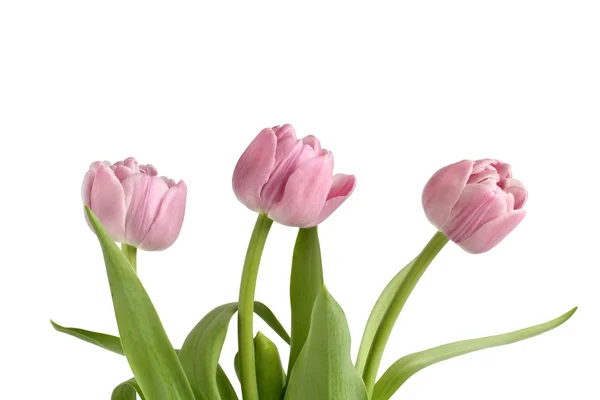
x=443 y=190
x=167 y=225
x=517 y=189
x=122 y=172
x=131 y=163
x=107 y=201
x=492 y=233
x=312 y=142
x=477 y=205
x=273 y=190
x=305 y=192
x=86 y=187
x=254 y=168
x=342 y=187
x=143 y=197
x=504 y=169
x=148 y=169
x=286 y=131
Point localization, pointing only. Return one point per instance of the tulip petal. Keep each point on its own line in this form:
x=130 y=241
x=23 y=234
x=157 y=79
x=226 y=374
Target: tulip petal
x=254 y=168
x=342 y=187
x=167 y=225
x=107 y=201
x=305 y=192
x=86 y=188
x=443 y=190
x=517 y=189
x=492 y=233
x=143 y=197
x=477 y=205
x=122 y=172
x=273 y=190
x=313 y=142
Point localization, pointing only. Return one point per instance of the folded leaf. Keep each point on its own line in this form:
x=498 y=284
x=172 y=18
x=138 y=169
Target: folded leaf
x=145 y=343
x=113 y=343
x=226 y=390
x=269 y=370
x=324 y=368
x=407 y=366
x=381 y=306
x=127 y=391
x=305 y=285
x=108 y=342
x=202 y=348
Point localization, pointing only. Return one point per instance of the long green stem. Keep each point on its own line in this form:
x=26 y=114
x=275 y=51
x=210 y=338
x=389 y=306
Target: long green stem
x=131 y=254
x=246 y=307
x=387 y=324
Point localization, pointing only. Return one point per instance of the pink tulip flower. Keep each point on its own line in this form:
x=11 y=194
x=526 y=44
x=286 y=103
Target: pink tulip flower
x=290 y=180
x=475 y=204
x=134 y=204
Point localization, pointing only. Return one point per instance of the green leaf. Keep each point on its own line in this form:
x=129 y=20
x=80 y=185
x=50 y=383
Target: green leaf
x=267 y=315
x=270 y=376
x=269 y=370
x=305 y=285
x=108 y=342
x=407 y=366
x=202 y=348
x=377 y=314
x=226 y=390
x=324 y=368
x=127 y=391
x=113 y=343
x=148 y=350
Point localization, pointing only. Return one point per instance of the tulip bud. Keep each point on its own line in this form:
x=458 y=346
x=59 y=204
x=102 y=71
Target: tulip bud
x=134 y=204
x=290 y=180
x=475 y=204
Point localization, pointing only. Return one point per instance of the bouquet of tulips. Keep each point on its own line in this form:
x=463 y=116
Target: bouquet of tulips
x=474 y=204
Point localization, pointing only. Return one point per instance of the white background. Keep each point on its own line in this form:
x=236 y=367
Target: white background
x=395 y=90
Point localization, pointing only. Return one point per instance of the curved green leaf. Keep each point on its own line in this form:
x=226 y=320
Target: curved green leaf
x=267 y=315
x=145 y=343
x=270 y=376
x=407 y=366
x=226 y=390
x=113 y=343
x=108 y=342
x=324 y=368
x=377 y=314
x=127 y=391
x=202 y=348
x=305 y=285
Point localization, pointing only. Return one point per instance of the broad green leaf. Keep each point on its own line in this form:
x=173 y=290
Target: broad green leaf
x=113 y=343
x=407 y=366
x=202 y=348
x=324 y=368
x=108 y=342
x=267 y=315
x=305 y=285
x=270 y=376
x=127 y=391
x=381 y=306
x=148 y=350
x=225 y=388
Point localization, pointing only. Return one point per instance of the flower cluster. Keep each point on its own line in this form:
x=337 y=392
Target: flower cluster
x=291 y=181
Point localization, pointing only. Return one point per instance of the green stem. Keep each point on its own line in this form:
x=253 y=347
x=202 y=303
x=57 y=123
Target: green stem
x=246 y=307
x=131 y=254
x=391 y=315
